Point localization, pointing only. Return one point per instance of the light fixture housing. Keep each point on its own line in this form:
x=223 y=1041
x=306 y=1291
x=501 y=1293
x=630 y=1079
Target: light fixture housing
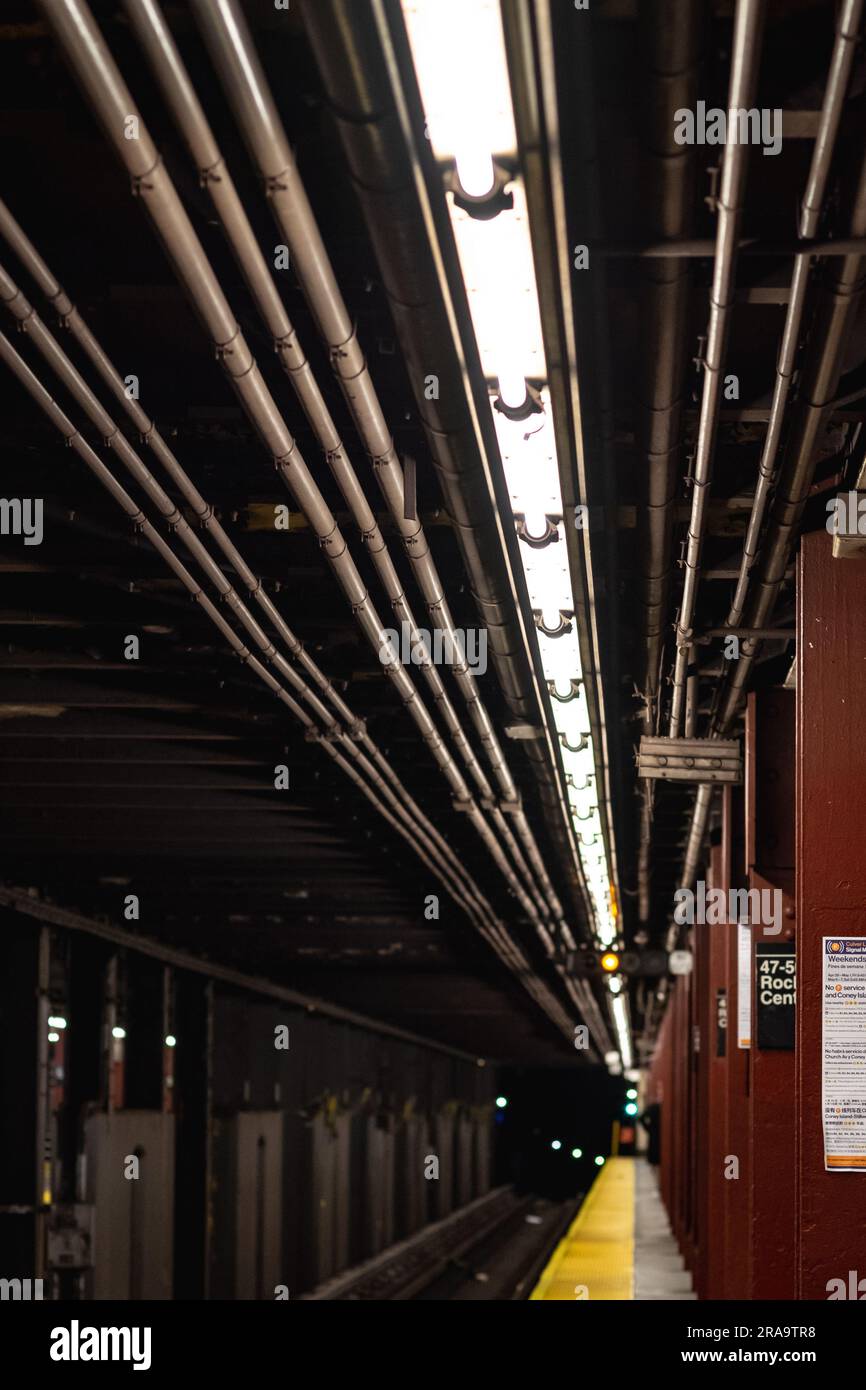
x=459 y=54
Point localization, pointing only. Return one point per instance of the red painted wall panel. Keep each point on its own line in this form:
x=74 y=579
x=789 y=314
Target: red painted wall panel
x=770 y=727
x=831 y=881
x=736 y=1085
x=703 y=947
x=714 y=1286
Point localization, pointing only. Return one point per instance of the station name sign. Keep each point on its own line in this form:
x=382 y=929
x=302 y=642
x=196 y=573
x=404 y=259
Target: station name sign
x=775 y=993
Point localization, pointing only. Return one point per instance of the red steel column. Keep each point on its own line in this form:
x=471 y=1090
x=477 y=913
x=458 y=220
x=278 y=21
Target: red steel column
x=720 y=1045
x=682 y=1062
x=736 y=1070
x=711 y=1136
x=691 y=1116
x=679 y=1110
x=660 y=1089
x=770 y=724
x=831 y=882
x=702 y=945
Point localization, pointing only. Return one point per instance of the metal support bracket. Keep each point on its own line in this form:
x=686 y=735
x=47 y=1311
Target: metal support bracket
x=690 y=759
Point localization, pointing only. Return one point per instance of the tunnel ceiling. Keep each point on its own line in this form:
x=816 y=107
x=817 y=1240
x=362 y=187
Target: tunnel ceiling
x=155 y=776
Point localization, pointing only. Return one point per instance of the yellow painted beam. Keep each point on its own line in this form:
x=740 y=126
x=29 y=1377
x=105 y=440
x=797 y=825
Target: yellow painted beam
x=595 y=1259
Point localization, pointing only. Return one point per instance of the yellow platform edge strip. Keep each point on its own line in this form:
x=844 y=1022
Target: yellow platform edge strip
x=597 y=1251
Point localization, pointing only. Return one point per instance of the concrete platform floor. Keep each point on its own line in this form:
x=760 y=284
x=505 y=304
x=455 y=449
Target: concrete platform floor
x=659 y=1268
x=619 y=1245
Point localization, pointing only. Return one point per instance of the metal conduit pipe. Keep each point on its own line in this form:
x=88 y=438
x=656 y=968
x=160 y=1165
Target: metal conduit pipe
x=700 y=249
x=837 y=308
x=673 y=32
x=841 y=62
x=745 y=56
x=141 y=523
x=589 y=1007
x=697 y=832
x=29 y=320
x=72 y=321
x=839 y=297
x=531 y=908
x=643 y=856
x=692 y=695
x=99 y=75
x=230 y=44
x=847 y=33
x=820 y=380
x=93 y=64
x=511 y=956
x=435 y=604
x=766 y=467
x=25 y=316
x=75 y=325
x=362 y=103
x=228 y=39
x=365 y=111
x=150 y=27
x=673 y=29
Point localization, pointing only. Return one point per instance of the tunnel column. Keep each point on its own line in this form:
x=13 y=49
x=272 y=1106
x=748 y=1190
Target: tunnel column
x=770 y=721
x=831 y=883
x=710 y=975
x=735 y=1172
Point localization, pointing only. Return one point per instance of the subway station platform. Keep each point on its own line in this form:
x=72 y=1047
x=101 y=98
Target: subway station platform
x=619 y=1245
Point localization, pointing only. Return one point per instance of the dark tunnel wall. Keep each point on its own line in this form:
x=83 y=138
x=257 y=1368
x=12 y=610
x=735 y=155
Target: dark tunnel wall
x=277 y=1146
x=342 y=1135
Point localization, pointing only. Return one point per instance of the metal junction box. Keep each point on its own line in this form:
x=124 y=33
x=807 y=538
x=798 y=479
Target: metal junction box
x=690 y=759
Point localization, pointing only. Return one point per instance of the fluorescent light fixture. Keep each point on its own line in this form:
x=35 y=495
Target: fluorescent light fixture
x=546 y=569
x=458 y=50
x=571 y=718
x=528 y=452
x=496 y=260
x=459 y=53
x=560 y=657
x=620 y=1018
